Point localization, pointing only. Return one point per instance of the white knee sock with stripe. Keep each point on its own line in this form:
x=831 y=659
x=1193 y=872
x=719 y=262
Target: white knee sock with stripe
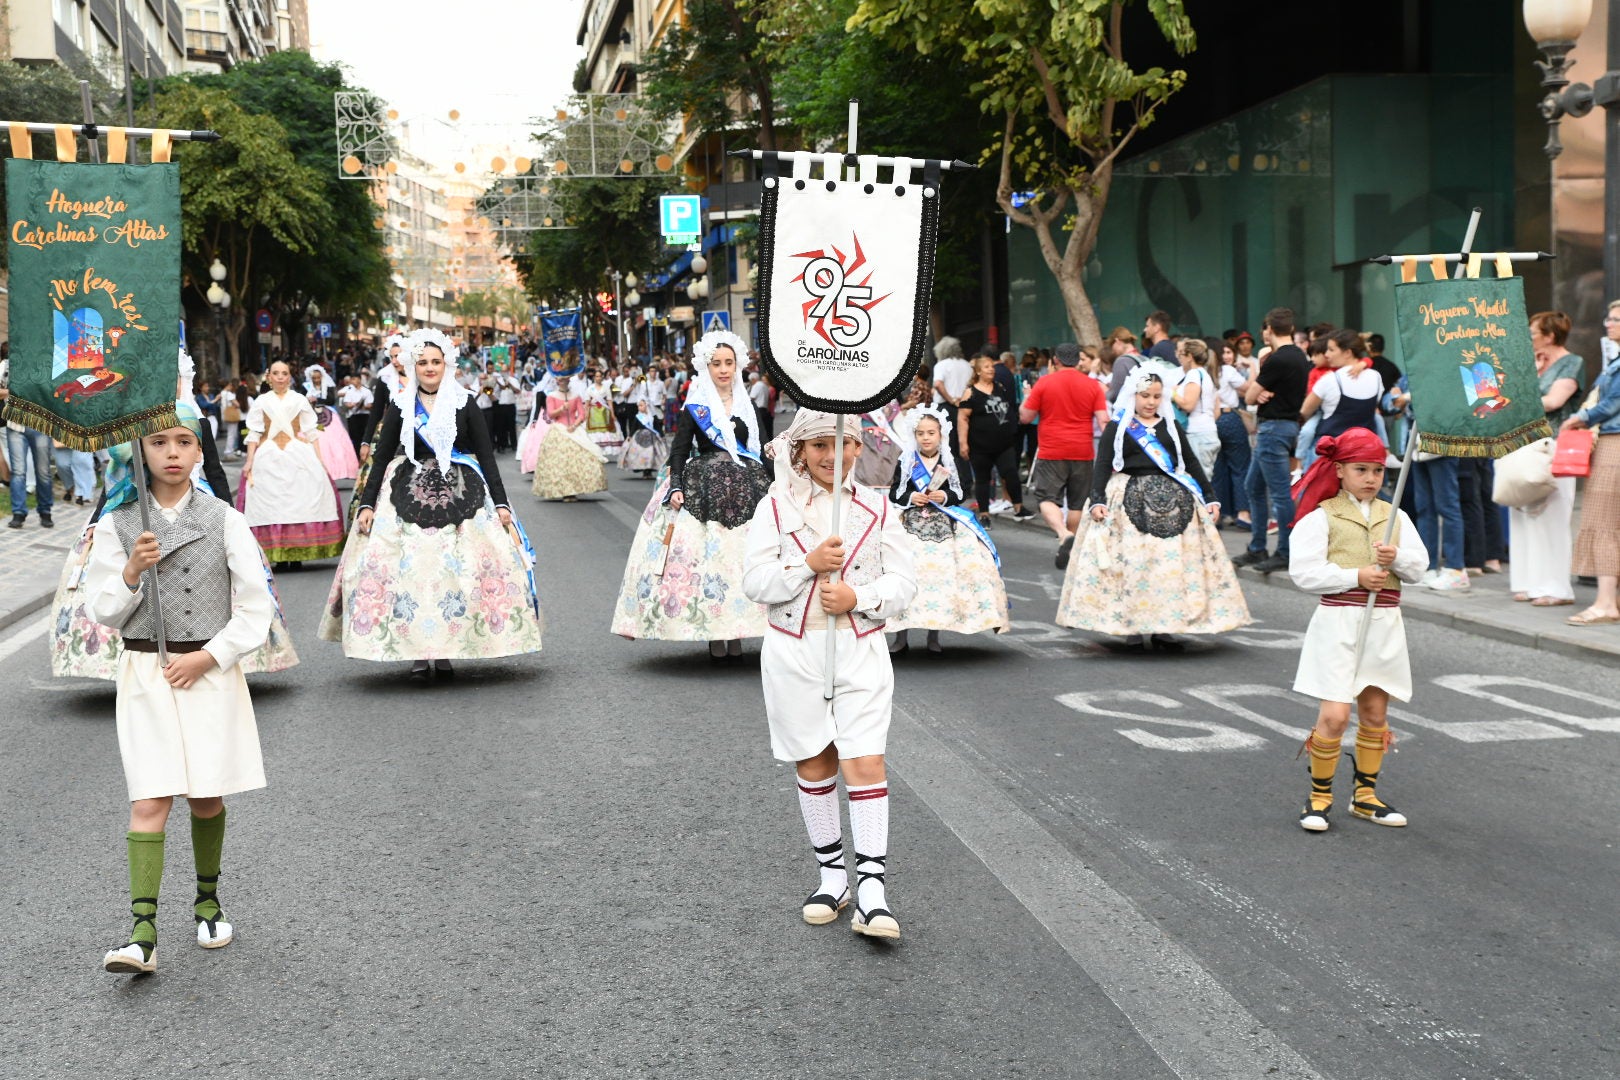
x=869 y=825
x=818 y=802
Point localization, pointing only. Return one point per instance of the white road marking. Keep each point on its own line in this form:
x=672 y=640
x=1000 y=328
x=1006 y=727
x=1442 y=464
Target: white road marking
x=1481 y=731
x=1050 y=584
x=1215 y=736
x=1478 y=686
x=1178 y=1008
x=1225 y=699
x=25 y=636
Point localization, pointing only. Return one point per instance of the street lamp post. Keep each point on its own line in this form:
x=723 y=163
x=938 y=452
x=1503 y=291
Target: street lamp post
x=1556 y=25
x=618 y=311
x=220 y=301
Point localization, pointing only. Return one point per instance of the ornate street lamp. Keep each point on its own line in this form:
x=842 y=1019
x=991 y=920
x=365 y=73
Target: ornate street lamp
x=1556 y=25
x=220 y=301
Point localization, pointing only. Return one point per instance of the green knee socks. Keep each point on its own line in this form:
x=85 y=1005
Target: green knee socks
x=207 y=844
x=145 y=875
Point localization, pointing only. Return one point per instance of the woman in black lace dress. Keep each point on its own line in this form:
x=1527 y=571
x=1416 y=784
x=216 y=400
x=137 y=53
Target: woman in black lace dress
x=683 y=579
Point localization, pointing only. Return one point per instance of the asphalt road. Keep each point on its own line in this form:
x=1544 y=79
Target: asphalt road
x=586 y=864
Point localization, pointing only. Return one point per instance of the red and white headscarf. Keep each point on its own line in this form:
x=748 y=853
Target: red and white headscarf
x=1321 y=480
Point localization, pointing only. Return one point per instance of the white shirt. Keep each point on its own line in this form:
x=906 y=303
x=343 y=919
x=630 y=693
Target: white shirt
x=5 y=380
x=506 y=389
x=355 y=399
x=622 y=385
x=759 y=394
x=1226 y=390
x=112 y=602
x=1201 y=417
x=655 y=392
x=1339 y=383
x=955 y=373
x=1307 y=552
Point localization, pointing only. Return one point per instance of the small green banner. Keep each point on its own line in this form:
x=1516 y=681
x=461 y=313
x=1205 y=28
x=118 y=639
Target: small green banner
x=1465 y=345
x=95 y=299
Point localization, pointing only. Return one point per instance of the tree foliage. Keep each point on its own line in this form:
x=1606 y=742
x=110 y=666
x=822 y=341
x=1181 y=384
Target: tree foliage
x=715 y=68
x=1058 y=77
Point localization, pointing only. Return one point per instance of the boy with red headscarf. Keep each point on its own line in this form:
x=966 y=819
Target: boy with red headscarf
x=1338 y=551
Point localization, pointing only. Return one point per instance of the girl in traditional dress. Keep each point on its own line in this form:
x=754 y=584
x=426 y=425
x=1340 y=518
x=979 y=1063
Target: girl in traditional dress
x=336 y=451
x=289 y=501
x=600 y=423
x=958 y=570
x=682 y=580
x=534 y=432
x=1150 y=563
x=569 y=465
x=438 y=568
x=644 y=449
x=790 y=546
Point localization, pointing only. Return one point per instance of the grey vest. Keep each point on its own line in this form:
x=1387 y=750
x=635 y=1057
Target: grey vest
x=862 y=566
x=194 y=575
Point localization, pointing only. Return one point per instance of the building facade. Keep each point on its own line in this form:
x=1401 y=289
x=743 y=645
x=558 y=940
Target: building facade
x=122 y=41
x=223 y=33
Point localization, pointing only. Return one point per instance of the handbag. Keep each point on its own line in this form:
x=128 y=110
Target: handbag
x=1573 y=454
x=1524 y=478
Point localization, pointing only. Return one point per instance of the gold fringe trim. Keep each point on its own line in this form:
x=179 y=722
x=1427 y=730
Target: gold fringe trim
x=77 y=437
x=1485 y=446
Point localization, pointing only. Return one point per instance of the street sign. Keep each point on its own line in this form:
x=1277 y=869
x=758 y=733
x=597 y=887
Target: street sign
x=661 y=321
x=716 y=320
x=324 y=329
x=264 y=337
x=750 y=306
x=680 y=218
x=263 y=320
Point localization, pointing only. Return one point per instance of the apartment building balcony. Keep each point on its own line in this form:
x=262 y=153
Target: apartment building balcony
x=211 y=47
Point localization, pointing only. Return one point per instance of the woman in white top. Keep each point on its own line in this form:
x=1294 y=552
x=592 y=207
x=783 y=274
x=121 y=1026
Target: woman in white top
x=1195 y=396
x=1232 y=463
x=290 y=502
x=1348 y=395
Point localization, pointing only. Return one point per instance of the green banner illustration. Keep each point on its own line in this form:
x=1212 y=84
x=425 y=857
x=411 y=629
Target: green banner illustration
x=95 y=299
x=1465 y=345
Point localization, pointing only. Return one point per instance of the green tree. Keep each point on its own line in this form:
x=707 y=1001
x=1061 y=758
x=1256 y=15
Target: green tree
x=1058 y=78
x=716 y=66
x=241 y=199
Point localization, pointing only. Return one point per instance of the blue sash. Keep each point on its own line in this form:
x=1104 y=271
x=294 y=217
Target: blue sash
x=461 y=457
x=1154 y=449
x=706 y=424
x=921 y=478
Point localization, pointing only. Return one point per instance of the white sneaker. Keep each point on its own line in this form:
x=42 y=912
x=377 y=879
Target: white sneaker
x=1427 y=580
x=130 y=960
x=216 y=938
x=1450 y=581
x=1000 y=506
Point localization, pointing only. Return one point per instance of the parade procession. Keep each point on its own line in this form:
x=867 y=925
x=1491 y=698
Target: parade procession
x=1083 y=538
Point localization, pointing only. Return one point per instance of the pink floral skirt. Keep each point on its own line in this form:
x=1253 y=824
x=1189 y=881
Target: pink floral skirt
x=459 y=592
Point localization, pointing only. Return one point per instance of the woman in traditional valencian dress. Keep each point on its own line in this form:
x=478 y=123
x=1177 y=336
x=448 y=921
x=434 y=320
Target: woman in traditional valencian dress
x=644 y=449
x=683 y=580
x=85 y=649
x=1150 y=564
x=958 y=570
x=438 y=568
x=600 y=423
x=290 y=503
x=534 y=433
x=569 y=465
x=333 y=445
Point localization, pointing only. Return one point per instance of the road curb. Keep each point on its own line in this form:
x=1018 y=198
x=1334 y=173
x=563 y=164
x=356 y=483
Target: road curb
x=26 y=608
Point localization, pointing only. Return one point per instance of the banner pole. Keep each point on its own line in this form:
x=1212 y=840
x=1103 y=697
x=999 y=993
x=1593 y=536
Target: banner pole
x=838 y=469
x=1407 y=463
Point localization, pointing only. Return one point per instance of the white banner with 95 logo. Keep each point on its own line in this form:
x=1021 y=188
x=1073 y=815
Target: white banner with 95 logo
x=846 y=271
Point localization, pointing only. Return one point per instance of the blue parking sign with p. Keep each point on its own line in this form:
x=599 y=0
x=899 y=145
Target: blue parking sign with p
x=680 y=215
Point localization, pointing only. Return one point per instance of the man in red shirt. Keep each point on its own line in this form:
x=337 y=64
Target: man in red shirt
x=1071 y=406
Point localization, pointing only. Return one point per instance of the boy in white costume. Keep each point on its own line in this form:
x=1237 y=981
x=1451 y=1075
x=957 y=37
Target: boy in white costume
x=790 y=557
x=1337 y=550
x=187 y=727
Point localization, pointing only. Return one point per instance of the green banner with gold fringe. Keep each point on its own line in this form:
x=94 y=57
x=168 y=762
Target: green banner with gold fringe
x=1465 y=345
x=95 y=299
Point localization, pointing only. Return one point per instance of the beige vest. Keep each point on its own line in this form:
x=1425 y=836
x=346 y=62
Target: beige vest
x=864 y=520
x=1350 y=536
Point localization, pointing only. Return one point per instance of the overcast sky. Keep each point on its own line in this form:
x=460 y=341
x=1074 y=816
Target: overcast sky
x=500 y=63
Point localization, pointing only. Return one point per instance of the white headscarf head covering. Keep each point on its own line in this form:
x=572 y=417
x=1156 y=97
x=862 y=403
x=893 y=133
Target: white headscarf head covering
x=1125 y=405
x=188 y=376
x=793 y=488
x=309 y=379
x=386 y=374
x=452 y=396
x=905 y=427
x=704 y=392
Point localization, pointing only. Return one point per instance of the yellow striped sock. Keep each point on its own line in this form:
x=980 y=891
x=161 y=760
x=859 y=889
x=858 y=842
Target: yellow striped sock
x=1371 y=743
x=1324 y=762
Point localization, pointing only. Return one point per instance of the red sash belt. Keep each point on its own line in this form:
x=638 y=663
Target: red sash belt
x=1358 y=598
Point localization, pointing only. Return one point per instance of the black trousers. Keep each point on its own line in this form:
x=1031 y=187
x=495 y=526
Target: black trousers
x=767 y=424
x=505 y=434
x=1004 y=459
x=1482 y=518
x=357 y=424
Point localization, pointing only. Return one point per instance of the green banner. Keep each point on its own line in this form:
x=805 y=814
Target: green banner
x=95 y=299
x=1465 y=345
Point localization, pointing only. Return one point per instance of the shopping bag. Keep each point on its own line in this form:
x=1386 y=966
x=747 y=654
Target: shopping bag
x=1573 y=454
x=1524 y=477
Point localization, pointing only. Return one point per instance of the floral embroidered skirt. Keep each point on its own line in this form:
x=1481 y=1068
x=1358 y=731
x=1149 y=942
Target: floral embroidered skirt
x=454 y=591
x=959 y=586
x=1125 y=578
x=698 y=596
x=566 y=467
x=644 y=450
x=82 y=648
